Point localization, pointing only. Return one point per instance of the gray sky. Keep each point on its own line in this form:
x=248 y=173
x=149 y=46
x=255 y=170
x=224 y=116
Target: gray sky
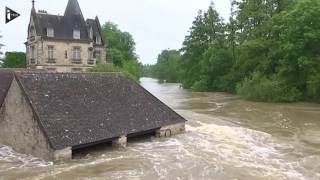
x=154 y=24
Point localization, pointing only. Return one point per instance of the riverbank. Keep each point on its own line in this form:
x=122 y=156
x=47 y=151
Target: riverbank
x=251 y=96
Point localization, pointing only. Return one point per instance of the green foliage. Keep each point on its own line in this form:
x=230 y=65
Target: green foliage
x=167 y=67
x=14 y=60
x=132 y=68
x=110 y=68
x=268 y=51
x=200 y=86
x=202 y=50
x=259 y=87
x=120 y=45
x=313 y=88
x=121 y=51
x=115 y=56
x=148 y=70
x=105 y=68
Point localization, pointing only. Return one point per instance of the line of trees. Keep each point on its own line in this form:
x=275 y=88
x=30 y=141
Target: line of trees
x=167 y=67
x=267 y=51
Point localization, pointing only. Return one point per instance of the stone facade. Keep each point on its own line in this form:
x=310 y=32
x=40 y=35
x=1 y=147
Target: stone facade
x=120 y=142
x=1 y=114
x=62 y=53
x=19 y=128
x=63 y=154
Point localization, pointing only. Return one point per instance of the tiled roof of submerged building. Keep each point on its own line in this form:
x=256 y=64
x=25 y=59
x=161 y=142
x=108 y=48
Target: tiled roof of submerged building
x=76 y=109
x=5 y=82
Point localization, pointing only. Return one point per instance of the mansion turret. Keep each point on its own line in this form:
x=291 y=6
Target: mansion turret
x=64 y=43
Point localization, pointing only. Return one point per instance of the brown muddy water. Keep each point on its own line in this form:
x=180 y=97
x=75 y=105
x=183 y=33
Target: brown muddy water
x=226 y=138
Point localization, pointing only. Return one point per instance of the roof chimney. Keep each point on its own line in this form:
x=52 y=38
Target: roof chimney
x=42 y=11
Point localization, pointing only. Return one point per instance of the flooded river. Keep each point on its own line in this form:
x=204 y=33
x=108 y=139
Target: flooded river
x=226 y=138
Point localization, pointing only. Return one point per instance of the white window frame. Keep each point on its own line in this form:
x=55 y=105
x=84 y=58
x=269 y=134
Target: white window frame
x=76 y=53
x=98 y=40
x=50 y=32
x=76 y=34
x=50 y=52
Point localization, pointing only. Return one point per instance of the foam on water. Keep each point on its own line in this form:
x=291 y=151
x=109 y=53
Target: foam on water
x=8 y=155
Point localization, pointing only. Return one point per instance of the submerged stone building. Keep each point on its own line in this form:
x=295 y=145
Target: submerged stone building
x=64 y=43
x=49 y=115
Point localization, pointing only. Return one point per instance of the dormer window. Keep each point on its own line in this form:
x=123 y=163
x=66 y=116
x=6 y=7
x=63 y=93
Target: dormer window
x=50 y=32
x=98 y=39
x=76 y=34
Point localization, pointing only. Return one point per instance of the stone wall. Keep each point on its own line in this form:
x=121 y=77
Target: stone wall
x=60 y=49
x=167 y=131
x=19 y=129
x=62 y=53
x=1 y=114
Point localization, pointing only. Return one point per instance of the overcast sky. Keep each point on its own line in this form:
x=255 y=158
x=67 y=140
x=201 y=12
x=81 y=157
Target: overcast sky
x=154 y=24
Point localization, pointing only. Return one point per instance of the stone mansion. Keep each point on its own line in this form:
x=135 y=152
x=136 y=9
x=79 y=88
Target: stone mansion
x=65 y=43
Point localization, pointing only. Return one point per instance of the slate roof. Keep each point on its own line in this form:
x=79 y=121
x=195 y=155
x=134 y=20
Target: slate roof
x=77 y=109
x=64 y=25
x=5 y=82
x=96 y=28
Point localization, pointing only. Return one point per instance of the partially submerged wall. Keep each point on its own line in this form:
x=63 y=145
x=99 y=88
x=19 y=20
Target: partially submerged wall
x=170 y=130
x=19 y=128
x=1 y=115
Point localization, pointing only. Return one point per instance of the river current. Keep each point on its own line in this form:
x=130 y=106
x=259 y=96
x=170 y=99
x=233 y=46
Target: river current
x=226 y=138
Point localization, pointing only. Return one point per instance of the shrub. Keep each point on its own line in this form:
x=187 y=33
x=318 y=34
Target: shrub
x=132 y=68
x=105 y=68
x=313 y=88
x=200 y=86
x=113 y=69
x=260 y=88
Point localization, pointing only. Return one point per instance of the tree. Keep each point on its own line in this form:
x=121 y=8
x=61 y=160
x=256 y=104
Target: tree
x=14 y=60
x=167 y=67
x=121 y=49
x=120 y=45
x=268 y=51
x=207 y=32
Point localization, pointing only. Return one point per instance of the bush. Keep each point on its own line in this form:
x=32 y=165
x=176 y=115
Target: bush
x=113 y=69
x=14 y=60
x=261 y=88
x=313 y=88
x=200 y=86
x=132 y=68
x=105 y=68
